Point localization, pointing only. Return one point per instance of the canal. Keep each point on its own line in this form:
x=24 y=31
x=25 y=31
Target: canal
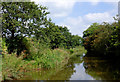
x=80 y=68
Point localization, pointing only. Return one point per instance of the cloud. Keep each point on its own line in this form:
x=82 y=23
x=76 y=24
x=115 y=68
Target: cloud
x=63 y=14
x=75 y=25
x=63 y=9
x=94 y=2
x=78 y=24
x=58 y=8
x=99 y=17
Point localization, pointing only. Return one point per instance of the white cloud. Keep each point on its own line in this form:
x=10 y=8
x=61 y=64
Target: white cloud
x=94 y=2
x=99 y=17
x=62 y=8
x=75 y=25
x=63 y=14
x=58 y=8
x=79 y=24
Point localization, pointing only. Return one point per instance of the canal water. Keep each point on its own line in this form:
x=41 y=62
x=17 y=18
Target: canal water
x=80 y=68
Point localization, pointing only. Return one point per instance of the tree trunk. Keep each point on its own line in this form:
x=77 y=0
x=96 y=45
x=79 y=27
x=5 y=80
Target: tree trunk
x=13 y=33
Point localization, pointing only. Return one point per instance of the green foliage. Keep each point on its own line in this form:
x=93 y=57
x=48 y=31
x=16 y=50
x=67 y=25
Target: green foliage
x=34 y=48
x=90 y=30
x=11 y=66
x=15 y=44
x=78 y=51
x=4 y=47
x=31 y=40
x=0 y=45
x=57 y=36
x=102 y=38
x=21 y=19
x=14 y=67
x=43 y=55
x=52 y=58
x=71 y=51
x=26 y=19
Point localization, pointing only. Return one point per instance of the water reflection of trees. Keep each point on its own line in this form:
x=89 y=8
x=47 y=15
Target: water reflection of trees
x=55 y=74
x=102 y=69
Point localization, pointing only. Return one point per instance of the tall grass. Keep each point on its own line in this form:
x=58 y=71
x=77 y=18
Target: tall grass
x=42 y=55
x=14 y=67
x=38 y=56
x=53 y=58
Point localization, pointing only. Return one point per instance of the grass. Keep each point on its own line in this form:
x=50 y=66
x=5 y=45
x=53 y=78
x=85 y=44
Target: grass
x=12 y=66
x=39 y=57
x=52 y=58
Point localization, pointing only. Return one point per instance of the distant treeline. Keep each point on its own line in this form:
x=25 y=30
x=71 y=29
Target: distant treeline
x=103 y=38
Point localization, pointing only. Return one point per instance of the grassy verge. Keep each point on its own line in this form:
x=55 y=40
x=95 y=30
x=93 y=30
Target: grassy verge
x=13 y=67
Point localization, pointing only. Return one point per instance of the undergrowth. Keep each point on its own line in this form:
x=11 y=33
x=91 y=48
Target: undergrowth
x=36 y=56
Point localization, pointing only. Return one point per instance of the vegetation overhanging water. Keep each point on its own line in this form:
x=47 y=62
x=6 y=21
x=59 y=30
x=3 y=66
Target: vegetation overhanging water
x=32 y=42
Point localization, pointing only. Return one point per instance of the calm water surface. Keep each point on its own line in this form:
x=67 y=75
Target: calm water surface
x=80 y=68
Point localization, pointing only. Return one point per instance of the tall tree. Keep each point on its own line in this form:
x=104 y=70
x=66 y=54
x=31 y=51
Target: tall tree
x=23 y=18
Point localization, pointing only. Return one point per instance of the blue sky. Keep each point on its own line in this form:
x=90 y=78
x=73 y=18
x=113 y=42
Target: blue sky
x=82 y=8
x=79 y=15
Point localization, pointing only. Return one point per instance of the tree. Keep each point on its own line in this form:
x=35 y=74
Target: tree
x=88 y=36
x=57 y=36
x=103 y=38
x=21 y=19
x=26 y=19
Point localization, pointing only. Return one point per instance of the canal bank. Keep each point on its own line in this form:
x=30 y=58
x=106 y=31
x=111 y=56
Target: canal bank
x=80 y=68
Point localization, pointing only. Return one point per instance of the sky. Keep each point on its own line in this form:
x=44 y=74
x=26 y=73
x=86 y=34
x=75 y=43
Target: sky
x=78 y=15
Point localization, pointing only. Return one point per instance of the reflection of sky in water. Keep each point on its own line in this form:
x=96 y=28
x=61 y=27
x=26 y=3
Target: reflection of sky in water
x=80 y=73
